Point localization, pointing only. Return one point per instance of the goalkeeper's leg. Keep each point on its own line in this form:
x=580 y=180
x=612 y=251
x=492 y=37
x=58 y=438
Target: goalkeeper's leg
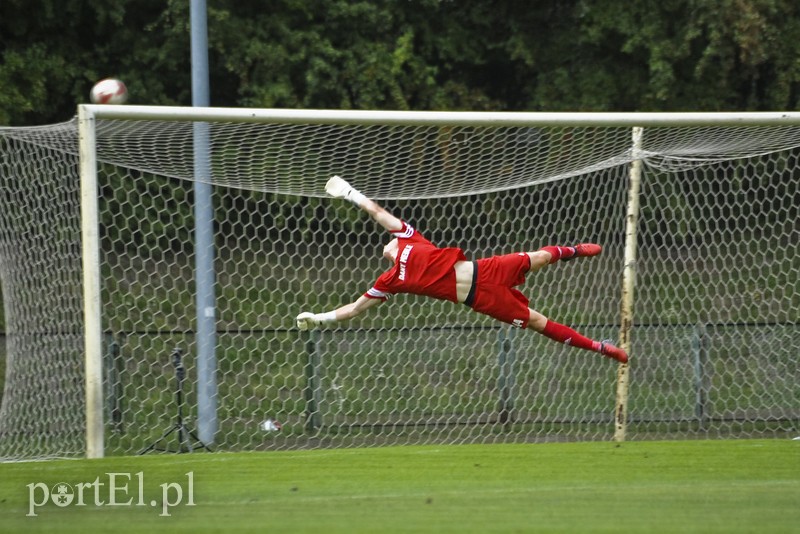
x=568 y=336
x=552 y=254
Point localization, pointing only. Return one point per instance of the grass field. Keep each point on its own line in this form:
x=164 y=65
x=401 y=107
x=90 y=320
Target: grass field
x=692 y=486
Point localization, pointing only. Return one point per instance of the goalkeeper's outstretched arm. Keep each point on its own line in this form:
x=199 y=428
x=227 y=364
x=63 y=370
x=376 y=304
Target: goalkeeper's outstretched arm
x=308 y=320
x=339 y=188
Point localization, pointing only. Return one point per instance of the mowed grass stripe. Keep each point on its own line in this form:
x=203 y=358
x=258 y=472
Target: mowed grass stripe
x=694 y=486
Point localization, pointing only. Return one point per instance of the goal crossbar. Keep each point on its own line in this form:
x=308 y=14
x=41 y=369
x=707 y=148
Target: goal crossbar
x=457 y=118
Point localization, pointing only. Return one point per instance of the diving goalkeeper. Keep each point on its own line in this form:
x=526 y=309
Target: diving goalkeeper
x=486 y=285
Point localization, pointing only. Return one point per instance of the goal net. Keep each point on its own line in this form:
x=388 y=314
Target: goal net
x=714 y=335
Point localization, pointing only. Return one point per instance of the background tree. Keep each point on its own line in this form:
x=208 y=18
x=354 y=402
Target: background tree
x=579 y=55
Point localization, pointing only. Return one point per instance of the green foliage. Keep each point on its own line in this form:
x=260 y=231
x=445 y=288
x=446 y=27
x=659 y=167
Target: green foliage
x=425 y=54
x=340 y=54
x=689 y=55
x=53 y=51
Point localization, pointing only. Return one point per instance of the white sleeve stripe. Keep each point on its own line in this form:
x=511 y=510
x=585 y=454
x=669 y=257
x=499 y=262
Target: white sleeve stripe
x=376 y=294
x=406 y=232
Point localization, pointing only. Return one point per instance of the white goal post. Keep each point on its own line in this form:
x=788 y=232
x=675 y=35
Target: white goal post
x=698 y=214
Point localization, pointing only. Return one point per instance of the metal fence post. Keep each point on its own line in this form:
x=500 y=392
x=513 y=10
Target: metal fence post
x=505 y=381
x=700 y=351
x=114 y=370
x=313 y=387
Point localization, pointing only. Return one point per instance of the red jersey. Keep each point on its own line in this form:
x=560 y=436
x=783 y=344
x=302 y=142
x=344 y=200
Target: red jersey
x=420 y=268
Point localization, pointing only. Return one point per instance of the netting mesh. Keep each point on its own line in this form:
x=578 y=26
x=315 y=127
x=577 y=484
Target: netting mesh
x=42 y=404
x=715 y=341
x=391 y=162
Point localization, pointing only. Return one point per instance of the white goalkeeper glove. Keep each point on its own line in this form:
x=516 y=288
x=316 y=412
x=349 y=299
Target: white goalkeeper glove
x=307 y=320
x=339 y=188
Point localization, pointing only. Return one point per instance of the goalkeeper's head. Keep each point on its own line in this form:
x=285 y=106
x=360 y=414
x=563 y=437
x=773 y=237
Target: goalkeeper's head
x=390 y=250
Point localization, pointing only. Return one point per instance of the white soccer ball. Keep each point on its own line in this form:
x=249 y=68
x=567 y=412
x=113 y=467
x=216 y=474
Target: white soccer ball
x=271 y=425
x=109 y=91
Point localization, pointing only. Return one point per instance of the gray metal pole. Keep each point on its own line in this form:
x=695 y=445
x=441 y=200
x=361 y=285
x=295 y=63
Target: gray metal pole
x=204 y=235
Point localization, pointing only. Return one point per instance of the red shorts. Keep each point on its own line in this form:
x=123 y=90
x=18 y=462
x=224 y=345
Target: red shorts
x=493 y=290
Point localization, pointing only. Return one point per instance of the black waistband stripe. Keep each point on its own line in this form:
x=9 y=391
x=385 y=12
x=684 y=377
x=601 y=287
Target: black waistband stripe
x=471 y=295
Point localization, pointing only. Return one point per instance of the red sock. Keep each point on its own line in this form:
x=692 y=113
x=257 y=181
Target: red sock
x=568 y=336
x=559 y=253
